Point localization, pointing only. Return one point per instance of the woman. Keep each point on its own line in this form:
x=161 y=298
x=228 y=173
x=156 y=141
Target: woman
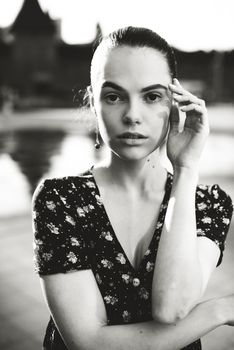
x=140 y=243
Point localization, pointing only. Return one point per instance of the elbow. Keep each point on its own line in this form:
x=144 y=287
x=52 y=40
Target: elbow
x=168 y=316
x=172 y=305
x=170 y=312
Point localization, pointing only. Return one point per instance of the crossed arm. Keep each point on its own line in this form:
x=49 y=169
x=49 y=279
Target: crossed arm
x=78 y=309
x=79 y=313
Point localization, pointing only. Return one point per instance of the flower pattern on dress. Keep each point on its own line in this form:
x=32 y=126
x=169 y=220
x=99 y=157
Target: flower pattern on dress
x=80 y=212
x=53 y=228
x=90 y=184
x=110 y=299
x=120 y=257
x=126 y=278
x=206 y=220
x=47 y=256
x=69 y=219
x=98 y=278
x=200 y=232
x=107 y=263
x=159 y=225
x=107 y=235
x=201 y=206
x=98 y=199
x=226 y=221
x=148 y=251
x=126 y=316
x=87 y=208
x=50 y=205
x=143 y=293
x=64 y=201
x=72 y=232
x=200 y=193
x=216 y=194
x=149 y=266
x=74 y=241
x=71 y=257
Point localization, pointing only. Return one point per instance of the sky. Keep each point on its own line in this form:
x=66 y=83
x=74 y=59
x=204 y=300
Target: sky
x=188 y=25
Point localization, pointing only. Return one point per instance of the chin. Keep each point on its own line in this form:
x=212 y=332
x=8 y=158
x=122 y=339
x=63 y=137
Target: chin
x=132 y=154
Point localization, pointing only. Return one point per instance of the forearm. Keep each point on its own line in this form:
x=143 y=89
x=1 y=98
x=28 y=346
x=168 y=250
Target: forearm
x=151 y=335
x=177 y=272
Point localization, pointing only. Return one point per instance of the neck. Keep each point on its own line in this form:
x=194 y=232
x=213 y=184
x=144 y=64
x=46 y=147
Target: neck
x=143 y=175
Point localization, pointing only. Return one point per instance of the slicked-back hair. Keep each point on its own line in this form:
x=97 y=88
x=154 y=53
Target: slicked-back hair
x=139 y=37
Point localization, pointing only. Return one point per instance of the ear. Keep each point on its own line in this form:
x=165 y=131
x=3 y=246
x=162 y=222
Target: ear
x=91 y=98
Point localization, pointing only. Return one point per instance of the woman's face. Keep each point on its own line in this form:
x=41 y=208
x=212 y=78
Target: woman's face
x=131 y=100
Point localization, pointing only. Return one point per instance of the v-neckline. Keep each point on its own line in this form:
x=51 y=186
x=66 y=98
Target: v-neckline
x=137 y=269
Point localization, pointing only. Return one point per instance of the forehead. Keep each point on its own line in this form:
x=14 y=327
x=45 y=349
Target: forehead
x=134 y=66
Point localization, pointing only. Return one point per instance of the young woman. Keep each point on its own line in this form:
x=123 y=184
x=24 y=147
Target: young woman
x=138 y=242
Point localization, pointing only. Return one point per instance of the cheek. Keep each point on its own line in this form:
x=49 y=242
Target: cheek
x=160 y=125
x=106 y=123
x=161 y=118
x=109 y=116
x=164 y=113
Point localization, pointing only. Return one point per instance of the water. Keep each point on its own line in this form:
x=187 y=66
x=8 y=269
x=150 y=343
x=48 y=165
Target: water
x=28 y=153
x=33 y=154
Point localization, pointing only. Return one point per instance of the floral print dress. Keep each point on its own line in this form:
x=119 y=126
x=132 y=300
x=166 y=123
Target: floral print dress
x=73 y=232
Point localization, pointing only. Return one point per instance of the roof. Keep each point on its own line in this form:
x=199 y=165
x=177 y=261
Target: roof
x=31 y=19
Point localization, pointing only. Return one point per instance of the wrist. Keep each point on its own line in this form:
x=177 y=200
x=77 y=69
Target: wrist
x=215 y=311
x=223 y=310
x=192 y=173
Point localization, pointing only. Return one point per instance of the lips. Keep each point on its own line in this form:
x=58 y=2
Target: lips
x=132 y=135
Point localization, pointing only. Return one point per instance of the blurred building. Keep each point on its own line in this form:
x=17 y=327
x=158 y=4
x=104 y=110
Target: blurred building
x=34 y=60
x=43 y=70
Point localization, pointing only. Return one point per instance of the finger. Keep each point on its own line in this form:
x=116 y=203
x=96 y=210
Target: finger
x=174 y=117
x=183 y=96
x=174 y=88
x=176 y=82
x=193 y=120
x=202 y=112
x=186 y=99
x=192 y=107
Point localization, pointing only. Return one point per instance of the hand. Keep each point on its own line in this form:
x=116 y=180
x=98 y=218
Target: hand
x=184 y=147
x=226 y=309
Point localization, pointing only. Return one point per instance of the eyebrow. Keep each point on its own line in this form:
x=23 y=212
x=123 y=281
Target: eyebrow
x=119 y=88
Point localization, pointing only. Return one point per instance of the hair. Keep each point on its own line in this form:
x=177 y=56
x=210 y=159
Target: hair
x=138 y=37
x=128 y=36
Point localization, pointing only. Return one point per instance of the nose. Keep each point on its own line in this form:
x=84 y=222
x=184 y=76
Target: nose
x=132 y=114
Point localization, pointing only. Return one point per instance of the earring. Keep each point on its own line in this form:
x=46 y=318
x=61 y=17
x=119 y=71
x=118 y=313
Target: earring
x=97 y=143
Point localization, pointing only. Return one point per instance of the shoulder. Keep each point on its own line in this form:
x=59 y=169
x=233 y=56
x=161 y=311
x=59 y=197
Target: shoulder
x=210 y=196
x=213 y=195
x=63 y=185
x=213 y=205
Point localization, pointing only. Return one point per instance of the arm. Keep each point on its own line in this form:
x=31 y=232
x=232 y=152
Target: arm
x=79 y=313
x=184 y=262
x=188 y=260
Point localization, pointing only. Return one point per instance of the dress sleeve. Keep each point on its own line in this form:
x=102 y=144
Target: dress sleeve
x=59 y=245
x=214 y=213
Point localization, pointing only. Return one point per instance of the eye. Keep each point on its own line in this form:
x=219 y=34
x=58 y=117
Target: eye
x=152 y=97
x=112 y=98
